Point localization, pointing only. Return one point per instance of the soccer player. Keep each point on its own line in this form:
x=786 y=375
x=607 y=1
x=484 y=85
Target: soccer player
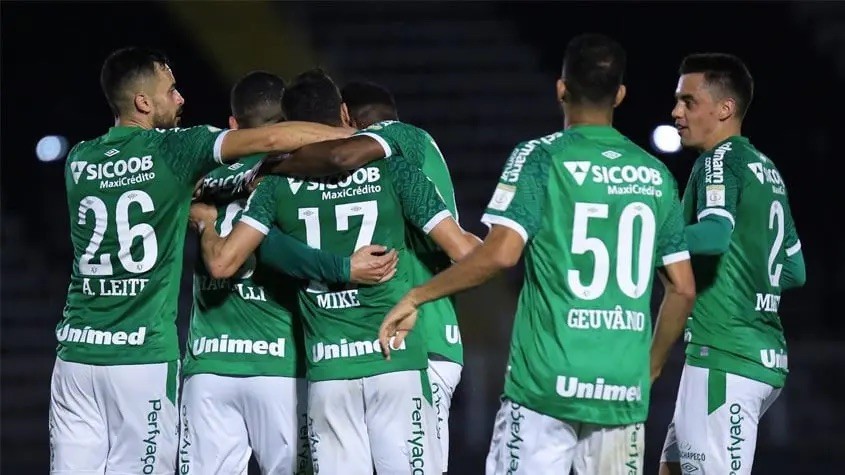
x=594 y=214
x=244 y=364
x=746 y=252
x=363 y=411
x=368 y=104
x=114 y=383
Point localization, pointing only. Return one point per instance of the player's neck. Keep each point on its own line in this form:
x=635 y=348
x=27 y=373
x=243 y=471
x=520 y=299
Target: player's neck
x=723 y=133
x=574 y=116
x=123 y=121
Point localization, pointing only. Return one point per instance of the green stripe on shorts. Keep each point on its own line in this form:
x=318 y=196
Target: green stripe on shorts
x=426 y=386
x=172 y=381
x=716 y=390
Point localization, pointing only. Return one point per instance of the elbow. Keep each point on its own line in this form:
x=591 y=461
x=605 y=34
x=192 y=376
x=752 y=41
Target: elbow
x=221 y=267
x=340 y=159
x=505 y=260
x=686 y=292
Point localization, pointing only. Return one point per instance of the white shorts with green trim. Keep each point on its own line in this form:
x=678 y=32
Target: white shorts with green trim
x=527 y=442
x=714 y=429
x=115 y=420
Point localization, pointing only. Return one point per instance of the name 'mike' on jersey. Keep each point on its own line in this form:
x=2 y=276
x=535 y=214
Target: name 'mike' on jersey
x=597 y=214
x=128 y=193
x=438 y=319
x=371 y=205
x=735 y=325
x=244 y=325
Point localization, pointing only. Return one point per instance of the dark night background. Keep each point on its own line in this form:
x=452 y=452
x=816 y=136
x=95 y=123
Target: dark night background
x=480 y=77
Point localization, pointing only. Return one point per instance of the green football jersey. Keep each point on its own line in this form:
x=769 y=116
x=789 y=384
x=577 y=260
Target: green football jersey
x=598 y=214
x=438 y=319
x=128 y=193
x=370 y=205
x=245 y=325
x=223 y=185
x=735 y=326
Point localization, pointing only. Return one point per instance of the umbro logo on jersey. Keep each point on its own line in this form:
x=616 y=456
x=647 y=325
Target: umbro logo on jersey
x=235 y=166
x=611 y=154
x=578 y=170
x=757 y=169
x=76 y=169
x=294 y=185
x=112 y=152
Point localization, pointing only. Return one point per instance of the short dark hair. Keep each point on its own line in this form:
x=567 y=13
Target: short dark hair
x=314 y=97
x=369 y=102
x=256 y=99
x=593 y=67
x=726 y=72
x=122 y=67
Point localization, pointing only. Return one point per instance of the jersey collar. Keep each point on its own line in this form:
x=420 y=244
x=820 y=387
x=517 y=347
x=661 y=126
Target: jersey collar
x=119 y=132
x=595 y=130
x=732 y=138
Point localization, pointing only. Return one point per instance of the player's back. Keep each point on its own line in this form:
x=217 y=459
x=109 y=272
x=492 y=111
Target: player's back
x=599 y=213
x=370 y=205
x=128 y=198
x=246 y=324
x=735 y=325
x=425 y=259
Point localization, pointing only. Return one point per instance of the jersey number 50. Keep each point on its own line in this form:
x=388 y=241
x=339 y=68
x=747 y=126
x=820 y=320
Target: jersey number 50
x=582 y=243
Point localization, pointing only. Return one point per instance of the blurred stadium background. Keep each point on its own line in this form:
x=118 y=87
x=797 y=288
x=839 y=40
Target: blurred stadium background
x=479 y=76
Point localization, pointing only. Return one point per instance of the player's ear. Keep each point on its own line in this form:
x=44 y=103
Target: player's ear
x=560 y=88
x=620 y=95
x=727 y=108
x=233 y=122
x=143 y=103
x=344 y=115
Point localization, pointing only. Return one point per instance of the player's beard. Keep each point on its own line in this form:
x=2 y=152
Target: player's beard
x=168 y=120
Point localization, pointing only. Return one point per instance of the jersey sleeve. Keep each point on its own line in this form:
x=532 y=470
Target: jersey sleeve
x=717 y=189
x=671 y=243
x=260 y=210
x=790 y=240
x=517 y=202
x=399 y=138
x=192 y=152
x=421 y=204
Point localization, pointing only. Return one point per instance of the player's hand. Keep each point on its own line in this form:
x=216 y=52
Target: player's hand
x=396 y=325
x=202 y=214
x=373 y=265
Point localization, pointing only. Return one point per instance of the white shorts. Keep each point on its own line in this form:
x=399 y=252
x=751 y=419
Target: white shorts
x=384 y=422
x=444 y=377
x=714 y=429
x=226 y=418
x=527 y=442
x=115 y=420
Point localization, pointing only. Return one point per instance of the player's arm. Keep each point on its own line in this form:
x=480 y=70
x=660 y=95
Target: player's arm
x=195 y=151
x=794 y=273
x=282 y=137
x=717 y=193
x=679 y=288
x=331 y=157
x=223 y=256
x=514 y=216
x=378 y=141
x=288 y=255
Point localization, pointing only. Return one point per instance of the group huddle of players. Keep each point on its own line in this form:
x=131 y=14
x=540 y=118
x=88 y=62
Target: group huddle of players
x=323 y=335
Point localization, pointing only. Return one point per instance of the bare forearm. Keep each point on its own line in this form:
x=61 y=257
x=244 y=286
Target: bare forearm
x=310 y=161
x=219 y=263
x=476 y=269
x=670 y=323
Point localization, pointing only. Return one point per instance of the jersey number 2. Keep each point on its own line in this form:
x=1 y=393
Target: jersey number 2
x=582 y=243
x=776 y=222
